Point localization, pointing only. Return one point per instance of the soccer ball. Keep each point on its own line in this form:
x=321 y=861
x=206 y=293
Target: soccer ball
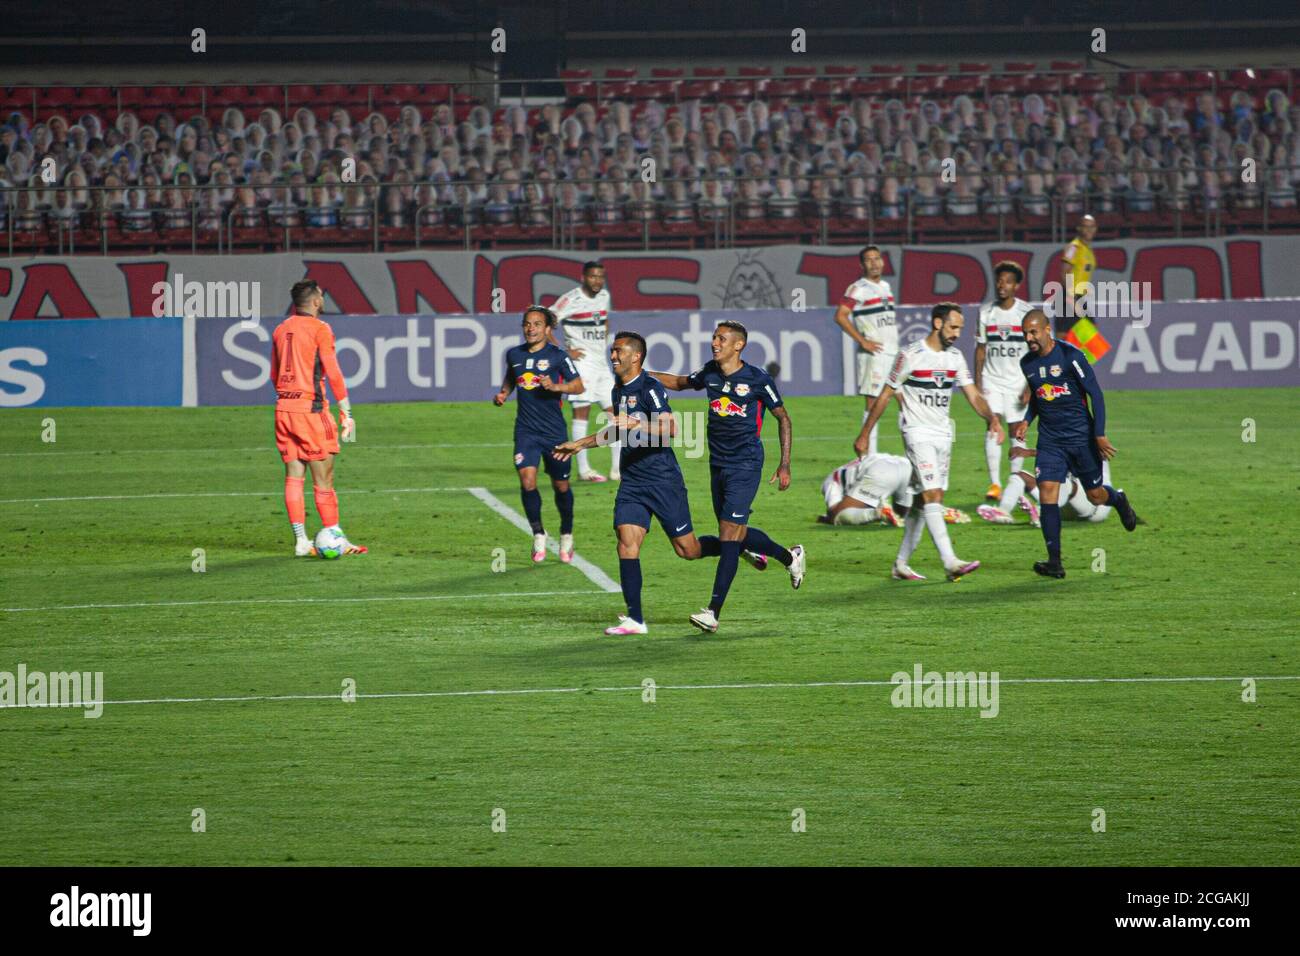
x=330 y=543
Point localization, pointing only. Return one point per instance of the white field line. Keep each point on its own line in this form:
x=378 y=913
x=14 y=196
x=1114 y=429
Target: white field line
x=270 y=492
x=637 y=688
x=593 y=573
x=304 y=600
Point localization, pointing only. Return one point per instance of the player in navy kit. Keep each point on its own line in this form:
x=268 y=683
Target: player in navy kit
x=652 y=483
x=738 y=393
x=543 y=375
x=1071 y=437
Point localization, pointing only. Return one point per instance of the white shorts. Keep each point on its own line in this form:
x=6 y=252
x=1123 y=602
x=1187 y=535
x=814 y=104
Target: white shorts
x=1006 y=404
x=930 y=458
x=833 y=492
x=873 y=369
x=597 y=386
x=886 y=479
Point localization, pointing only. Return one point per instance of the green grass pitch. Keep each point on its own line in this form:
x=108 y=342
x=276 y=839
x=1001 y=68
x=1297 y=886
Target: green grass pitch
x=1186 y=771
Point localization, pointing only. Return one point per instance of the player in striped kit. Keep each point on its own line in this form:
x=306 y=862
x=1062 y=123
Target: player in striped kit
x=1000 y=342
x=924 y=376
x=583 y=315
x=866 y=314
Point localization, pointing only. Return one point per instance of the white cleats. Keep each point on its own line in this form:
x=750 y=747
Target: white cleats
x=705 y=620
x=592 y=476
x=566 y=548
x=1028 y=506
x=959 y=569
x=626 y=625
x=798 y=565
x=539 y=548
x=302 y=548
x=994 y=515
x=903 y=572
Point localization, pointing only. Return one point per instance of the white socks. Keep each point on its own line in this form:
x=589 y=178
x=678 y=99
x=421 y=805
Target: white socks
x=580 y=432
x=299 y=531
x=1014 y=488
x=913 y=525
x=991 y=450
x=939 y=532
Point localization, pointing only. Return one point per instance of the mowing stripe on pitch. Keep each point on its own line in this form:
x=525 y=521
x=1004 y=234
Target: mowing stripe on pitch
x=593 y=573
x=306 y=600
x=637 y=689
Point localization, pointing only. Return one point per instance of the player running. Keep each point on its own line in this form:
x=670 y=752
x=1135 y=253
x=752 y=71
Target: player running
x=544 y=375
x=302 y=358
x=1071 y=438
x=738 y=393
x=583 y=314
x=652 y=481
x=924 y=376
x=856 y=491
x=999 y=343
x=866 y=314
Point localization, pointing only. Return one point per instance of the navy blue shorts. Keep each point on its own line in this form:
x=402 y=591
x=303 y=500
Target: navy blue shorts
x=1055 y=462
x=530 y=448
x=634 y=504
x=734 y=491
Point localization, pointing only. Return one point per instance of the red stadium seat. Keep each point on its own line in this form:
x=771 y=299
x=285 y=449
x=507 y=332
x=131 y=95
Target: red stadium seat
x=755 y=71
x=1019 y=66
x=620 y=73
x=933 y=68
x=975 y=67
x=799 y=71
x=887 y=68
x=667 y=73
x=712 y=72
x=833 y=69
x=575 y=74
x=1068 y=66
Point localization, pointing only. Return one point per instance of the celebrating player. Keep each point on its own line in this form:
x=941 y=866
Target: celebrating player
x=738 y=392
x=866 y=314
x=1071 y=438
x=544 y=375
x=856 y=491
x=924 y=376
x=1000 y=342
x=302 y=346
x=652 y=481
x=583 y=314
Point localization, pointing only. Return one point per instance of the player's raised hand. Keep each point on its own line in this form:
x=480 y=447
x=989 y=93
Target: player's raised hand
x=783 y=473
x=565 y=451
x=500 y=397
x=544 y=381
x=1019 y=430
x=1105 y=447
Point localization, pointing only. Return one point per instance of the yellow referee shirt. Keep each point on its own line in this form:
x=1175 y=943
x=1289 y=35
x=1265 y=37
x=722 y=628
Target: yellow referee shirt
x=1079 y=257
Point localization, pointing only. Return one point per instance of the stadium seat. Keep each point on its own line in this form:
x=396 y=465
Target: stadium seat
x=668 y=73
x=840 y=70
x=620 y=73
x=975 y=67
x=1069 y=66
x=1019 y=66
x=887 y=69
x=933 y=68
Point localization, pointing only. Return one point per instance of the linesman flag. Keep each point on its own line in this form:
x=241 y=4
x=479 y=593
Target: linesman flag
x=1084 y=335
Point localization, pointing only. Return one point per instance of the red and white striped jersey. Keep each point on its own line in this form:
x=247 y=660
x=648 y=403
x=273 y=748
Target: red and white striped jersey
x=583 y=319
x=924 y=380
x=872 y=310
x=1001 y=333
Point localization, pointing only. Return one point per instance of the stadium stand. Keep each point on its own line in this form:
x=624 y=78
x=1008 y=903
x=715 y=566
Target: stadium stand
x=943 y=152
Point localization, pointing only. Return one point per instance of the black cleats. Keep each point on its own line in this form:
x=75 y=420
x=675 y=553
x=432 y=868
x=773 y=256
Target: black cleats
x=1127 y=516
x=1049 y=569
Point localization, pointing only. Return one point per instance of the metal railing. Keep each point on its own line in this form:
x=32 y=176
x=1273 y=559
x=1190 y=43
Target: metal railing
x=571 y=222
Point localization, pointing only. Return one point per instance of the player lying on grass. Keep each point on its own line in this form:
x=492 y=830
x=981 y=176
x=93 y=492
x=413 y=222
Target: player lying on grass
x=1071 y=436
x=738 y=393
x=304 y=430
x=924 y=376
x=652 y=483
x=543 y=375
x=854 y=493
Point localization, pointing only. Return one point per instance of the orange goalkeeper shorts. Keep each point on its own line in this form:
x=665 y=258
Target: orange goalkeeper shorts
x=305 y=436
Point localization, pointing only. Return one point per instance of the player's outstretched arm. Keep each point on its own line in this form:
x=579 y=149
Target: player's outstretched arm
x=878 y=407
x=677 y=383
x=982 y=409
x=782 y=475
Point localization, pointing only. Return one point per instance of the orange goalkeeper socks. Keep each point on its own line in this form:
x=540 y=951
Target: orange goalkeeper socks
x=293 y=500
x=327 y=506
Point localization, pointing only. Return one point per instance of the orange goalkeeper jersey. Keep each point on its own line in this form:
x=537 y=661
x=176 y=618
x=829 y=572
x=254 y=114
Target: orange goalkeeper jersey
x=302 y=359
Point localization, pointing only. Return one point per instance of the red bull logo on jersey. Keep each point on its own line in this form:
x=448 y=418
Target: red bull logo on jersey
x=528 y=380
x=1049 y=392
x=724 y=406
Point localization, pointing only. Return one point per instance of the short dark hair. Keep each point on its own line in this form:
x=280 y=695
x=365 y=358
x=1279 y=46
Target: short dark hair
x=735 y=327
x=941 y=310
x=636 y=337
x=546 y=313
x=1006 y=265
x=302 y=292
x=865 y=249
x=593 y=264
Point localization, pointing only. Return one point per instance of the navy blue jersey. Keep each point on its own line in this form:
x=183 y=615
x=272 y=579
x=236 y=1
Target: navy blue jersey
x=1060 y=384
x=736 y=405
x=538 y=410
x=646 y=459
